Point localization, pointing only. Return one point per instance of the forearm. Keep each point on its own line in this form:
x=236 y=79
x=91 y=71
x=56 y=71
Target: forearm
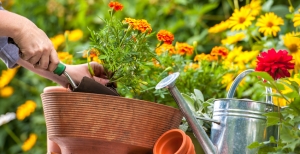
x=11 y=24
x=62 y=80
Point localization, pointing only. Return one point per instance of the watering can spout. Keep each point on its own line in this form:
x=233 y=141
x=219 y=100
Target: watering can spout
x=200 y=134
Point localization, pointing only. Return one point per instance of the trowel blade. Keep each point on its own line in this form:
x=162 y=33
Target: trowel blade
x=88 y=85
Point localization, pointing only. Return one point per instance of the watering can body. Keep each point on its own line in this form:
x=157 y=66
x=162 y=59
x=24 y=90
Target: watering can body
x=241 y=123
x=236 y=122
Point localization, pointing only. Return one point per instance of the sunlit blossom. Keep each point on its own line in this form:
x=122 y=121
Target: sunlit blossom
x=276 y=63
x=269 y=24
x=141 y=25
x=6 y=91
x=30 y=142
x=227 y=80
x=165 y=36
x=57 y=40
x=7 y=76
x=292 y=42
x=281 y=101
x=219 y=52
x=240 y=19
x=184 y=48
x=74 y=35
x=296 y=20
x=25 y=109
x=165 y=48
x=241 y=60
x=233 y=39
x=217 y=28
x=116 y=6
x=65 y=57
x=255 y=7
x=201 y=57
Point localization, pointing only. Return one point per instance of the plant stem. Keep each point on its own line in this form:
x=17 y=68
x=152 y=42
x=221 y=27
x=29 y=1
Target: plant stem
x=230 y=4
x=12 y=135
x=236 y=4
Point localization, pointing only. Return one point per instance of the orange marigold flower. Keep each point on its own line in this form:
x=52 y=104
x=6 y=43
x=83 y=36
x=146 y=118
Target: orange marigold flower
x=165 y=48
x=184 y=48
x=165 y=36
x=141 y=25
x=219 y=51
x=116 y=6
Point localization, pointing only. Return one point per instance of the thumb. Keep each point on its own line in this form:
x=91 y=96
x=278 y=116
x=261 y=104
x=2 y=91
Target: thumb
x=101 y=80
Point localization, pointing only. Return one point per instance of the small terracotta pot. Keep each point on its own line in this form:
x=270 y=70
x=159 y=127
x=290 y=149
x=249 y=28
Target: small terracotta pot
x=174 y=141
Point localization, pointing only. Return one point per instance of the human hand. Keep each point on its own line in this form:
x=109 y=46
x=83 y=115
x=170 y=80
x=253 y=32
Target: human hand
x=36 y=47
x=77 y=72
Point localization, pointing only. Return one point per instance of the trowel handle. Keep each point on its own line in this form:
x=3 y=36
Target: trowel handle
x=60 y=69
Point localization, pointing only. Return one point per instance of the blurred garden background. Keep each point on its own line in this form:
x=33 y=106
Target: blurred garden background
x=220 y=38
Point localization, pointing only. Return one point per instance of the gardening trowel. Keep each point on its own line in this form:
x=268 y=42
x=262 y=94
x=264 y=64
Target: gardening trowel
x=86 y=85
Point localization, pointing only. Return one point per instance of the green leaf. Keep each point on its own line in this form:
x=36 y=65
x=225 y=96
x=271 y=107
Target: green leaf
x=102 y=56
x=254 y=145
x=273 y=118
x=198 y=94
x=263 y=75
x=189 y=101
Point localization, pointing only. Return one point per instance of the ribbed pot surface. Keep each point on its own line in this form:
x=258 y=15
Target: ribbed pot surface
x=95 y=123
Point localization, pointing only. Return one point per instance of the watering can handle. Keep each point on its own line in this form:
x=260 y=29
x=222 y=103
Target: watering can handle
x=239 y=78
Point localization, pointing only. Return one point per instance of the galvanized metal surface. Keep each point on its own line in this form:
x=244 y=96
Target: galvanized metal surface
x=241 y=121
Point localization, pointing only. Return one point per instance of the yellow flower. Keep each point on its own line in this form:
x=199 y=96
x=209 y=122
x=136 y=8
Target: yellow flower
x=292 y=42
x=240 y=19
x=219 y=27
x=255 y=7
x=30 y=142
x=233 y=39
x=25 y=109
x=281 y=101
x=201 y=57
x=57 y=40
x=227 y=80
x=296 y=20
x=65 y=57
x=74 y=35
x=269 y=24
x=7 y=76
x=6 y=91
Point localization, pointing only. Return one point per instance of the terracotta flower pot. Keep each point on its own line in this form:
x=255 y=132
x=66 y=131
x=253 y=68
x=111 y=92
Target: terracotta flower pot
x=174 y=141
x=83 y=123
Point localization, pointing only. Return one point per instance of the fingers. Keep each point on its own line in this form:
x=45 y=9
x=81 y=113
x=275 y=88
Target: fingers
x=54 y=61
x=98 y=70
x=100 y=80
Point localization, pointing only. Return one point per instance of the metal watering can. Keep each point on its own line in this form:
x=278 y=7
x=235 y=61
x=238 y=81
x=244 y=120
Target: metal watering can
x=236 y=122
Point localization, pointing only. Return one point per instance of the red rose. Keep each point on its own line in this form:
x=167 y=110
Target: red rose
x=275 y=63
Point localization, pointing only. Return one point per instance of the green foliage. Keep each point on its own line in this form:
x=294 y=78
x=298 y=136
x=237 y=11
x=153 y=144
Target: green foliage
x=200 y=108
x=287 y=119
x=123 y=52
